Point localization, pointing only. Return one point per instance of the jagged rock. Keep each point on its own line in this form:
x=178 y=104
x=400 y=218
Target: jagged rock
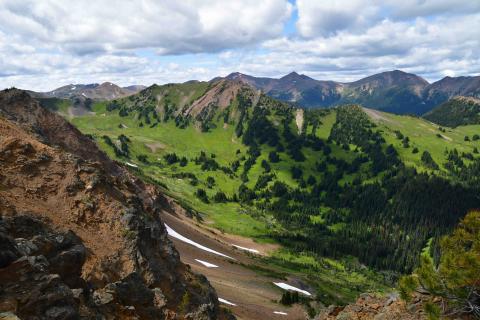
x=101 y=297
x=65 y=251
x=8 y=250
x=371 y=307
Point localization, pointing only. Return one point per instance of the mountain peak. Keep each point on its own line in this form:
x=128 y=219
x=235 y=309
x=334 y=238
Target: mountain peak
x=294 y=76
x=235 y=75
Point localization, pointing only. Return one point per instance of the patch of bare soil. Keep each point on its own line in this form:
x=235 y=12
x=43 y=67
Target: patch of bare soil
x=221 y=95
x=299 y=120
x=154 y=146
x=376 y=115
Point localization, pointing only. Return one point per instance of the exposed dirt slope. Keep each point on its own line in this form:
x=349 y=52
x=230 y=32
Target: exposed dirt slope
x=80 y=236
x=235 y=280
x=219 y=96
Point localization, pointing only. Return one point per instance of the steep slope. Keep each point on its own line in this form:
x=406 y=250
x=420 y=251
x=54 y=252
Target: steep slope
x=393 y=91
x=81 y=237
x=193 y=102
x=448 y=87
x=456 y=112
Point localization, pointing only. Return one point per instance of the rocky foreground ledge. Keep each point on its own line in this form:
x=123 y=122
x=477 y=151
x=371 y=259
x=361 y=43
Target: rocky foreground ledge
x=80 y=237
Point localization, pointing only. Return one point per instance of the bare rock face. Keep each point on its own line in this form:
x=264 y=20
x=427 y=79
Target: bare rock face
x=80 y=237
x=371 y=307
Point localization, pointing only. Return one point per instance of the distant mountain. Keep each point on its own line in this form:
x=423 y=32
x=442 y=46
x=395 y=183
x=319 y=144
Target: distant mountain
x=455 y=112
x=297 y=88
x=447 y=88
x=393 y=91
x=94 y=91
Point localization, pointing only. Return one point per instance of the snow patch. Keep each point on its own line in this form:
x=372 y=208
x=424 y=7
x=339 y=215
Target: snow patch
x=291 y=288
x=73 y=88
x=207 y=264
x=281 y=313
x=178 y=236
x=246 y=249
x=131 y=165
x=226 y=302
x=83 y=94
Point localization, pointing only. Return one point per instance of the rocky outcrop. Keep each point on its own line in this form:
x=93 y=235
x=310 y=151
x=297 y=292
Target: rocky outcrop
x=372 y=307
x=80 y=237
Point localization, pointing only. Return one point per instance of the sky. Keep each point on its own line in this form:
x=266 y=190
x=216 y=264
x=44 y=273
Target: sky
x=45 y=44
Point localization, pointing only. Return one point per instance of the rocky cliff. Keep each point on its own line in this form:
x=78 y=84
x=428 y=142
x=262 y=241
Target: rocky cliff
x=80 y=237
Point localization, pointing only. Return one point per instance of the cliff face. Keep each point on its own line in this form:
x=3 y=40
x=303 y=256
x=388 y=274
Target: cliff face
x=79 y=235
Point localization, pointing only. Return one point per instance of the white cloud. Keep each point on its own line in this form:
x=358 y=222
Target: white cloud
x=424 y=46
x=326 y=18
x=48 y=43
x=86 y=26
x=323 y=18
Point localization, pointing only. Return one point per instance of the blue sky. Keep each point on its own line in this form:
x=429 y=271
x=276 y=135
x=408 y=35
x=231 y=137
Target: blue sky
x=45 y=43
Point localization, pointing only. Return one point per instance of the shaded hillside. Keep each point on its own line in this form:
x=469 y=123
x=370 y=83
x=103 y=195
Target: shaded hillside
x=394 y=91
x=80 y=236
x=456 y=112
x=296 y=88
x=449 y=87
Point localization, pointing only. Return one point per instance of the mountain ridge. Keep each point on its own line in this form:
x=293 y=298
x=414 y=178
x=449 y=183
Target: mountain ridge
x=392 y=91
x=104 y=91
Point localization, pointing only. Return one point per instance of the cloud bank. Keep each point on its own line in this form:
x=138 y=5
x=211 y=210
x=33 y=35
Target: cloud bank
x=47 y=43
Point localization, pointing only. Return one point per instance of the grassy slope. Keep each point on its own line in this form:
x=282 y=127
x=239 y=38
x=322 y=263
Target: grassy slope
x=423 y=135
x=338 y=282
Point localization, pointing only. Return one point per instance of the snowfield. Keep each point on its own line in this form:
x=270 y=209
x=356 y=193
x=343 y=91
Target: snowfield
x=131 y=165
x=246 y=249
x=226 y=302
x=291 y=288
x=206 y=264
x=178 y=236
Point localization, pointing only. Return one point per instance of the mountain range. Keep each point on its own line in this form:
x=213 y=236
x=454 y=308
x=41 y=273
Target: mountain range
x=94 y=91
x=393 y=91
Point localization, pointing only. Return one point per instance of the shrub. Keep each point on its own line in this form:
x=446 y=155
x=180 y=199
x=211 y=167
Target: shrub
x=210 y=182
x=171 y=158
x=428 y=160
x=202 y=195
x=142 y=158
x=183 y=162
x=273 y=157
x=455 y=281
x=220 y=197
